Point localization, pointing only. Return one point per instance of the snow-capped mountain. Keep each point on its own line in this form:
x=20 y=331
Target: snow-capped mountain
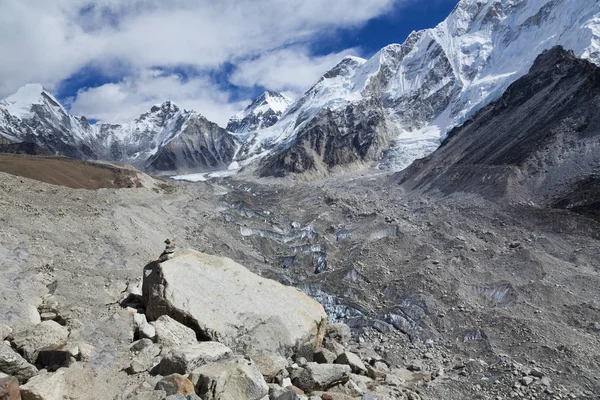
x=165 y=139
x=32 y=114
x=388 y=110
x=420 y=89
x=262 y=113
x=550 y=157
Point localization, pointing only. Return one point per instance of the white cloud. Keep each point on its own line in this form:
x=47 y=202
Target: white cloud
x=290 y=69
x=48 y=41
x=128 y=99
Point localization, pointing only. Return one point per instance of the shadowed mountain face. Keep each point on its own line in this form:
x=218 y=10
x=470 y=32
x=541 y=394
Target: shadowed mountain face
x=201 y=145
x=539 y=142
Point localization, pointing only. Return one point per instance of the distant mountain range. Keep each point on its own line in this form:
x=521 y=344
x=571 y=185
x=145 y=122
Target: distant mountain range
x=386 y=111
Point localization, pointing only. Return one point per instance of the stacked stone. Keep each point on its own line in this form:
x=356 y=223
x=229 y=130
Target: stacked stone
x=169 y=251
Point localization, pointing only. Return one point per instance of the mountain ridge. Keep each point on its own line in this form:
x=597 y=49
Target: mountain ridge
x=537 y=144
x=399 y=104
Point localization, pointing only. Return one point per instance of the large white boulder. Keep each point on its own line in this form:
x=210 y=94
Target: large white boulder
x=223 y=301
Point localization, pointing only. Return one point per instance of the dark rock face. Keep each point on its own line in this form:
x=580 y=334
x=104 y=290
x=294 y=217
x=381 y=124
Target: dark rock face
x=539 y=142
x=333 y=138
x=202 y=146
x=31 y=149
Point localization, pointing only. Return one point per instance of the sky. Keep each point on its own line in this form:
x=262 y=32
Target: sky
x=111 y=60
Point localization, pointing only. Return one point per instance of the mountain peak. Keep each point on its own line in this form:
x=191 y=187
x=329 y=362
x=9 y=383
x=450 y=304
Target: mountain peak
x=553 y=57
x=263 y=112
x=167 y=106
x=19 y=103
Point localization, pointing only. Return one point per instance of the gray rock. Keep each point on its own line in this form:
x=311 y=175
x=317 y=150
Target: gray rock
x=322 y=376
x=334 y=347
x=275 y=390
x=139 y=345
x=171 y=333
x=288 y=395
x=324 y=356
x=526 y=380
x=176 y=397
x=234 y=379
x=537 y=373
x=229 y=304
x=340 y=332
x=12 y=363
x=144 y=359
x=351 y=359
x=270 y=365
x=46 y=386
x=47 y=335
x=184 y=359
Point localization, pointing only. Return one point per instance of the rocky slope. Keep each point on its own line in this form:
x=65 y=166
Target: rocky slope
x=263 y=112
x=164 y=139
x=432 y=82
x=540 y=142
x=454 y=297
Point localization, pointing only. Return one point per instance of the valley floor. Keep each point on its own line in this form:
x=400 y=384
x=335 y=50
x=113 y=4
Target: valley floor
x=477 y=295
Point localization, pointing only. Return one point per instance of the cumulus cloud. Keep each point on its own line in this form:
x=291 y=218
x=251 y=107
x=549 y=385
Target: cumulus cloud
x=49 y=41
x=290 y=69
x=128 y=99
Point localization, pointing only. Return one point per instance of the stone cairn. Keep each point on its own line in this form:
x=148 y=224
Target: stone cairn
x=169 y=251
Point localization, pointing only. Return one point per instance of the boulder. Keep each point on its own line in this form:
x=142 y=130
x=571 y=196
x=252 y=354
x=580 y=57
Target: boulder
x=230 y=380
x=225 y=302
x=142 y=328
x=141 y=344
x=339 y=332
x=171 y=333
x=47 y=386
x=351 y=359
x=9 y=388
x=184 y=359
x=324 y=356
x=333 y=347
x=175 y=384
x=321 y=376
x=48 y=335
x=12 y=363
x=144 y=358
x=270 y=365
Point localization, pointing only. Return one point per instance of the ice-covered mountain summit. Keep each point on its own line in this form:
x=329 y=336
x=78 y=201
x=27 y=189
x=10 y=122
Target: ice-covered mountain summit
x=398 y=104
x=164 y=139
x=262 y=113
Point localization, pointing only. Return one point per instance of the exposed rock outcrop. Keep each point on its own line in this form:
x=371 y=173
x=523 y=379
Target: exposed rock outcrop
x=223 y=301
x=539 y=142
x=48 y=335
x=12 y=363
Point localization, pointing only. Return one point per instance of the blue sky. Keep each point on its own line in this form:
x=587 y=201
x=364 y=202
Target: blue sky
x=112 y=59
